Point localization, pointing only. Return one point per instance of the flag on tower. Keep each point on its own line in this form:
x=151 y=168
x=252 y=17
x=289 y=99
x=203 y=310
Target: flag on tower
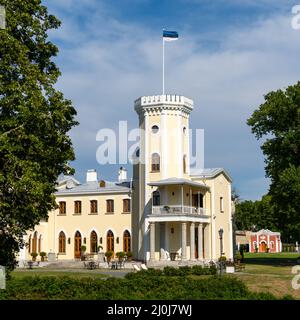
x=170 y=35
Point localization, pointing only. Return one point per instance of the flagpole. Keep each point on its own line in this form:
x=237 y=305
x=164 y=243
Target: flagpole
x=163 y=66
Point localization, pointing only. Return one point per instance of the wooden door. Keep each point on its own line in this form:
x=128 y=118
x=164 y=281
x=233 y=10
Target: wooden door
x=263 y=247
x=77 y=245
x=110 y=241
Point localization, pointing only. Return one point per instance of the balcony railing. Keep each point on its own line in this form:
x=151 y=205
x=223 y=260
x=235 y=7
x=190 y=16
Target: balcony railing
x=178 y=210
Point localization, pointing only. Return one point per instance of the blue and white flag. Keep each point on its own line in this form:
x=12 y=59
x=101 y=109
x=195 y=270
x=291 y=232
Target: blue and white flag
x=170 y=35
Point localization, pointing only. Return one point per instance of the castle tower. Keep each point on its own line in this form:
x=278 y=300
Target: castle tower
x=161 y=176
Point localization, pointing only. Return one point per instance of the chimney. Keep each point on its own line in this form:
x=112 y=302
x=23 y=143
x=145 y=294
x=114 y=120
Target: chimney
x=91 y=175
x=122 y=174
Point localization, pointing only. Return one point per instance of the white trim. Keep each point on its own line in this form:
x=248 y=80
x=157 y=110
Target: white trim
x=64 y=231
x=213 y=223
x=230 y=224
x=180 y=147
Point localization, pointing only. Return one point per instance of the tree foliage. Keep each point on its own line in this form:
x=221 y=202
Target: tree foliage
x=277 y=121
x=34 y=121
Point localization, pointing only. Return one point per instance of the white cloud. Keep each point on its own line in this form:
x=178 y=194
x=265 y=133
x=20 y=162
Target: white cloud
x=107 y=64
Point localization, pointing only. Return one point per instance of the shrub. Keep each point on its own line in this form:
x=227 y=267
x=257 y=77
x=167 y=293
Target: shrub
x=131 y=288
x=120 y=254
x=129 y=254
x=83 y=248
x=108 y=254
x=238 y=257
x=43 y=254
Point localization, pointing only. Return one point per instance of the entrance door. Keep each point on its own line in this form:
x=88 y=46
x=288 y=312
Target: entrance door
x=263 y=247
x=195 y=200
x=77 y=245
x=110 y=241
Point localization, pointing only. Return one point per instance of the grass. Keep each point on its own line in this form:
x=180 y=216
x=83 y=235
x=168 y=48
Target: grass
x=75 y=274
x=270 y=272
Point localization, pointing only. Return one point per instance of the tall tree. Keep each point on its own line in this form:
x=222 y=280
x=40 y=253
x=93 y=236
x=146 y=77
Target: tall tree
x=277 y=121
x=34 y=121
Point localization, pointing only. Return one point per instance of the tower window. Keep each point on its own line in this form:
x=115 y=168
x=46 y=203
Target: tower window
x=184 y=130
x=221 y=204
x=155 y=163
x=184 y=164
x=154 y=129
x=156 y=198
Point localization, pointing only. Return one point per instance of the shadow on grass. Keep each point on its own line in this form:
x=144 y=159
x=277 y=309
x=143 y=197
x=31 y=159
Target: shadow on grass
x=272 y=261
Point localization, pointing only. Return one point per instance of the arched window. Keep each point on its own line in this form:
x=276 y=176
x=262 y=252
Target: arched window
x=94 y=242
x=156 y=198
x=40 y=244
x=77 y=245
x=62 y=242
x=29 y=244
x=184 y=164
x=110 y=241
x=126 y=241
x=155 y=162
x=34 y=242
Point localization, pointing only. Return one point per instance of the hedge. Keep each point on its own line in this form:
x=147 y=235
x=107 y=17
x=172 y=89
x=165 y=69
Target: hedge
x=150 y=286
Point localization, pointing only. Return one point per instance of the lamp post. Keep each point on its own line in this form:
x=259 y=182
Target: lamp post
x=221 y=231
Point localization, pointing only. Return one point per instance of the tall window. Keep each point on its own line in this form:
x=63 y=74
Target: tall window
x=221 y=204
x=155 y=162
x=126 y=241
x=34 y=242
x=94 y=242
x=77 y=207
x=126 y=205
x=110 y=206
x=62 y=242
x=184 y=164
x=29 y=244
x=156 y=198
x=40 y=244
x=62 y=207
x=94 y=206
x=110 y=241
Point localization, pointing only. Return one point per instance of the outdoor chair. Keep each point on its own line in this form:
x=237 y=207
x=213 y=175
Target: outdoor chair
x=136 y=267
x=144 y=267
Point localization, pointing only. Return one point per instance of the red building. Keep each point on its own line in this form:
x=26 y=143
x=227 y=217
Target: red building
x=265 y=241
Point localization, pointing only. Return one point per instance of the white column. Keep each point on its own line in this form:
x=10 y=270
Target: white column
x=257 y=243
x=182 y=198
x=183 y=240
x=200 y=241
x=166 y=240
x=152 y=241
x=191 y=203
x=192 y=240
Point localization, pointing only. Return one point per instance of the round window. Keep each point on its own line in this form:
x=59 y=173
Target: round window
x=155 y=129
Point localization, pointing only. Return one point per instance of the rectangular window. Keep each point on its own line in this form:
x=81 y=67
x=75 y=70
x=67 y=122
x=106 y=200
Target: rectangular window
x=77 y=207
x=126 y=205
x=62 y=207
x=221 y=204
x=94 y=206
x=109 y=206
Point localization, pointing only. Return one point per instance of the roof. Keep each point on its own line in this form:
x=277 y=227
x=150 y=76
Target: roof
x=178 y=181
x=267 y=232
x=208 y=173
x=94 y=188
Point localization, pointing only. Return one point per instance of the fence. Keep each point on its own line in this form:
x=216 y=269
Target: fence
x=289 y=247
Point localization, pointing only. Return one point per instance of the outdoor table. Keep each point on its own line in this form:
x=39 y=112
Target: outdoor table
x=92 y=265
x=114 y=264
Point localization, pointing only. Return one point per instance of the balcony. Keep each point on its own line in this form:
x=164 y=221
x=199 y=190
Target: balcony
x=178 y=210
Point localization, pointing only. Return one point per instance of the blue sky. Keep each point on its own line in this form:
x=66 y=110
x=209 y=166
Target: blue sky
x=229 y=54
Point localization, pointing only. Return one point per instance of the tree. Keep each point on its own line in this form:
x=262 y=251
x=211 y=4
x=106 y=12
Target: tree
x=277 y=121
x=34 y=121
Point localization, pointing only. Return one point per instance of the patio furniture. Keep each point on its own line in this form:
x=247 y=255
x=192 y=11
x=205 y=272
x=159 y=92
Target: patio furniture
x=144 y=267
x=136 y=267
x=114 y=265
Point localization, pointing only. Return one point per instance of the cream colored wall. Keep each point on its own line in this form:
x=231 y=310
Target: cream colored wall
x=85 y=223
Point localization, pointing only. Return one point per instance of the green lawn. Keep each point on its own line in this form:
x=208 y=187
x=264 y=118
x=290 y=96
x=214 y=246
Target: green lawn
x=270 y=272
x=76 y=274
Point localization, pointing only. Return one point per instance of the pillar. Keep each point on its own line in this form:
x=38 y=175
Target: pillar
x=192 y=241
x=152 y=241
x=183 y=240
x=200 y=241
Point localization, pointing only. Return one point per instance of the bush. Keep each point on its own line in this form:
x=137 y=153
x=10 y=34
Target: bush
x=43 y=254
x=120 y=254
x=108 y=254
x=131 y=288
